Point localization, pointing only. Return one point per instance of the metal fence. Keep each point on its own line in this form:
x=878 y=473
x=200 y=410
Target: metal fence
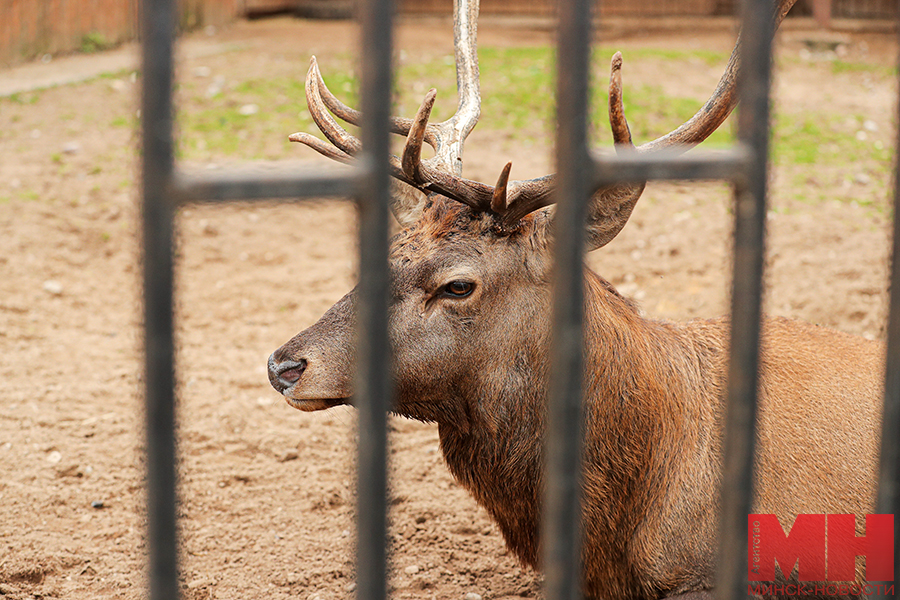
x=165 y=187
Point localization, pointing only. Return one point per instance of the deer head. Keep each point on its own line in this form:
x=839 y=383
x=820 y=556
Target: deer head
x=471 y=268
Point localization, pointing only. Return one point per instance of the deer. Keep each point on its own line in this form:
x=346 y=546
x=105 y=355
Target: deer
x=470 y=333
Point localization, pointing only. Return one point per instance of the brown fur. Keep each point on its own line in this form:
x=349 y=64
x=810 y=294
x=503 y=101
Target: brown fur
x=478 y=367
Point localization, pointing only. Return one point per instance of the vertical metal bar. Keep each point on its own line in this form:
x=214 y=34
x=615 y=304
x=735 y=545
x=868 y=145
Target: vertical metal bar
x=561 y=535
x=889 y=477
x=373 y=380
x=746 y=303
x=157 y=32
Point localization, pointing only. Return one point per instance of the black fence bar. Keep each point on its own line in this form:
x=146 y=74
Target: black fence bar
x=730 y=164
x=373 y=384
x=561 y=522
x=248 y=184
x=157 y=163
x=889 y=472
x=746 y=302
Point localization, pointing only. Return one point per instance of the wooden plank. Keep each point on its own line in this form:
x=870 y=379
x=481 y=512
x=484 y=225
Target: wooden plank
x=31 y=28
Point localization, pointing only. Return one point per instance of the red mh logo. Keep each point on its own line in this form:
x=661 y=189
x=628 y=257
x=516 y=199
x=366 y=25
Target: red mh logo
x=826 y=546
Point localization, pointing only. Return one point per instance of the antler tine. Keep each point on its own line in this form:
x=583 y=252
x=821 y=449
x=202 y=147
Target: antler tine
x=617 y=122
x=708 y=118
x=321 y=147
x=412 y=151
x=399 y=125
x=336 y=134
x=718 y=107
x=530 y=195
x=498 y=198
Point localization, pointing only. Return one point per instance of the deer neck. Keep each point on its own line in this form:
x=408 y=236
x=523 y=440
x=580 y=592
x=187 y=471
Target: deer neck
x=636 y=402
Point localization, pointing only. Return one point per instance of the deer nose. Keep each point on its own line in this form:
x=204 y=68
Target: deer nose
x=284 y=374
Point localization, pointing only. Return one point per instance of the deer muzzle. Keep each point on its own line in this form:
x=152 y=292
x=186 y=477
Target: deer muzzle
x=313 y=370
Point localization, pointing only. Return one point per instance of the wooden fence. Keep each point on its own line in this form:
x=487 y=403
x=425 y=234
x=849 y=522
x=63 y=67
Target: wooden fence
x=31 y=28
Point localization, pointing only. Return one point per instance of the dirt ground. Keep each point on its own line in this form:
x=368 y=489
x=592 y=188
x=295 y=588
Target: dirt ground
x=267 y=494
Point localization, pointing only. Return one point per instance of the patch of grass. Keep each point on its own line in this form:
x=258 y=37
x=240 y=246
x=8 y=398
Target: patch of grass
x=120 y=74
x=710 y=58
x=124 y=121
x=33 y=96
x=223 y=126
x=94 y=41
x=842 y=66
x=22 y=98
x=824 y=139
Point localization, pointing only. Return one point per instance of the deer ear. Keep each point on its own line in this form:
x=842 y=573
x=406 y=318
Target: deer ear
x=406 y=202
x=608 y=212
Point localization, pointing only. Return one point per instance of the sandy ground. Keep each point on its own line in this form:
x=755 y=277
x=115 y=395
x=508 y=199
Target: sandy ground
x=267 y=492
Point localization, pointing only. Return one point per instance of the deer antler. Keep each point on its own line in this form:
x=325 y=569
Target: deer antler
x=509 y=200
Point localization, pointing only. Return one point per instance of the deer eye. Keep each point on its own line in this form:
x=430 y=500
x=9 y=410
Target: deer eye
x=458 y=289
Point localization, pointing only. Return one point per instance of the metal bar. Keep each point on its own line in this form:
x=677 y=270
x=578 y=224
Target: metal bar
x=373 y=375
x=157 y=160
x=304 y=181
x=746 y=302
x=561 y=522
x=249 y=183
x=672 y=164
x=889 y=475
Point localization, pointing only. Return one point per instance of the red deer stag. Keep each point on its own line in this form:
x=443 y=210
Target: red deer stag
x=470 y=330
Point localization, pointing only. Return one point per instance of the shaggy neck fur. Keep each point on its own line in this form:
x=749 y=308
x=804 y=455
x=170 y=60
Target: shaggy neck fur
x=642 y=385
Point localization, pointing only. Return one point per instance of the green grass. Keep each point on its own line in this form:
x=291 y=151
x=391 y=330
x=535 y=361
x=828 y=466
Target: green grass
x=22 y=98
x=124 y=121
x=841 y=66
x=215 y=126
x=824 y=140
x=95 y=41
